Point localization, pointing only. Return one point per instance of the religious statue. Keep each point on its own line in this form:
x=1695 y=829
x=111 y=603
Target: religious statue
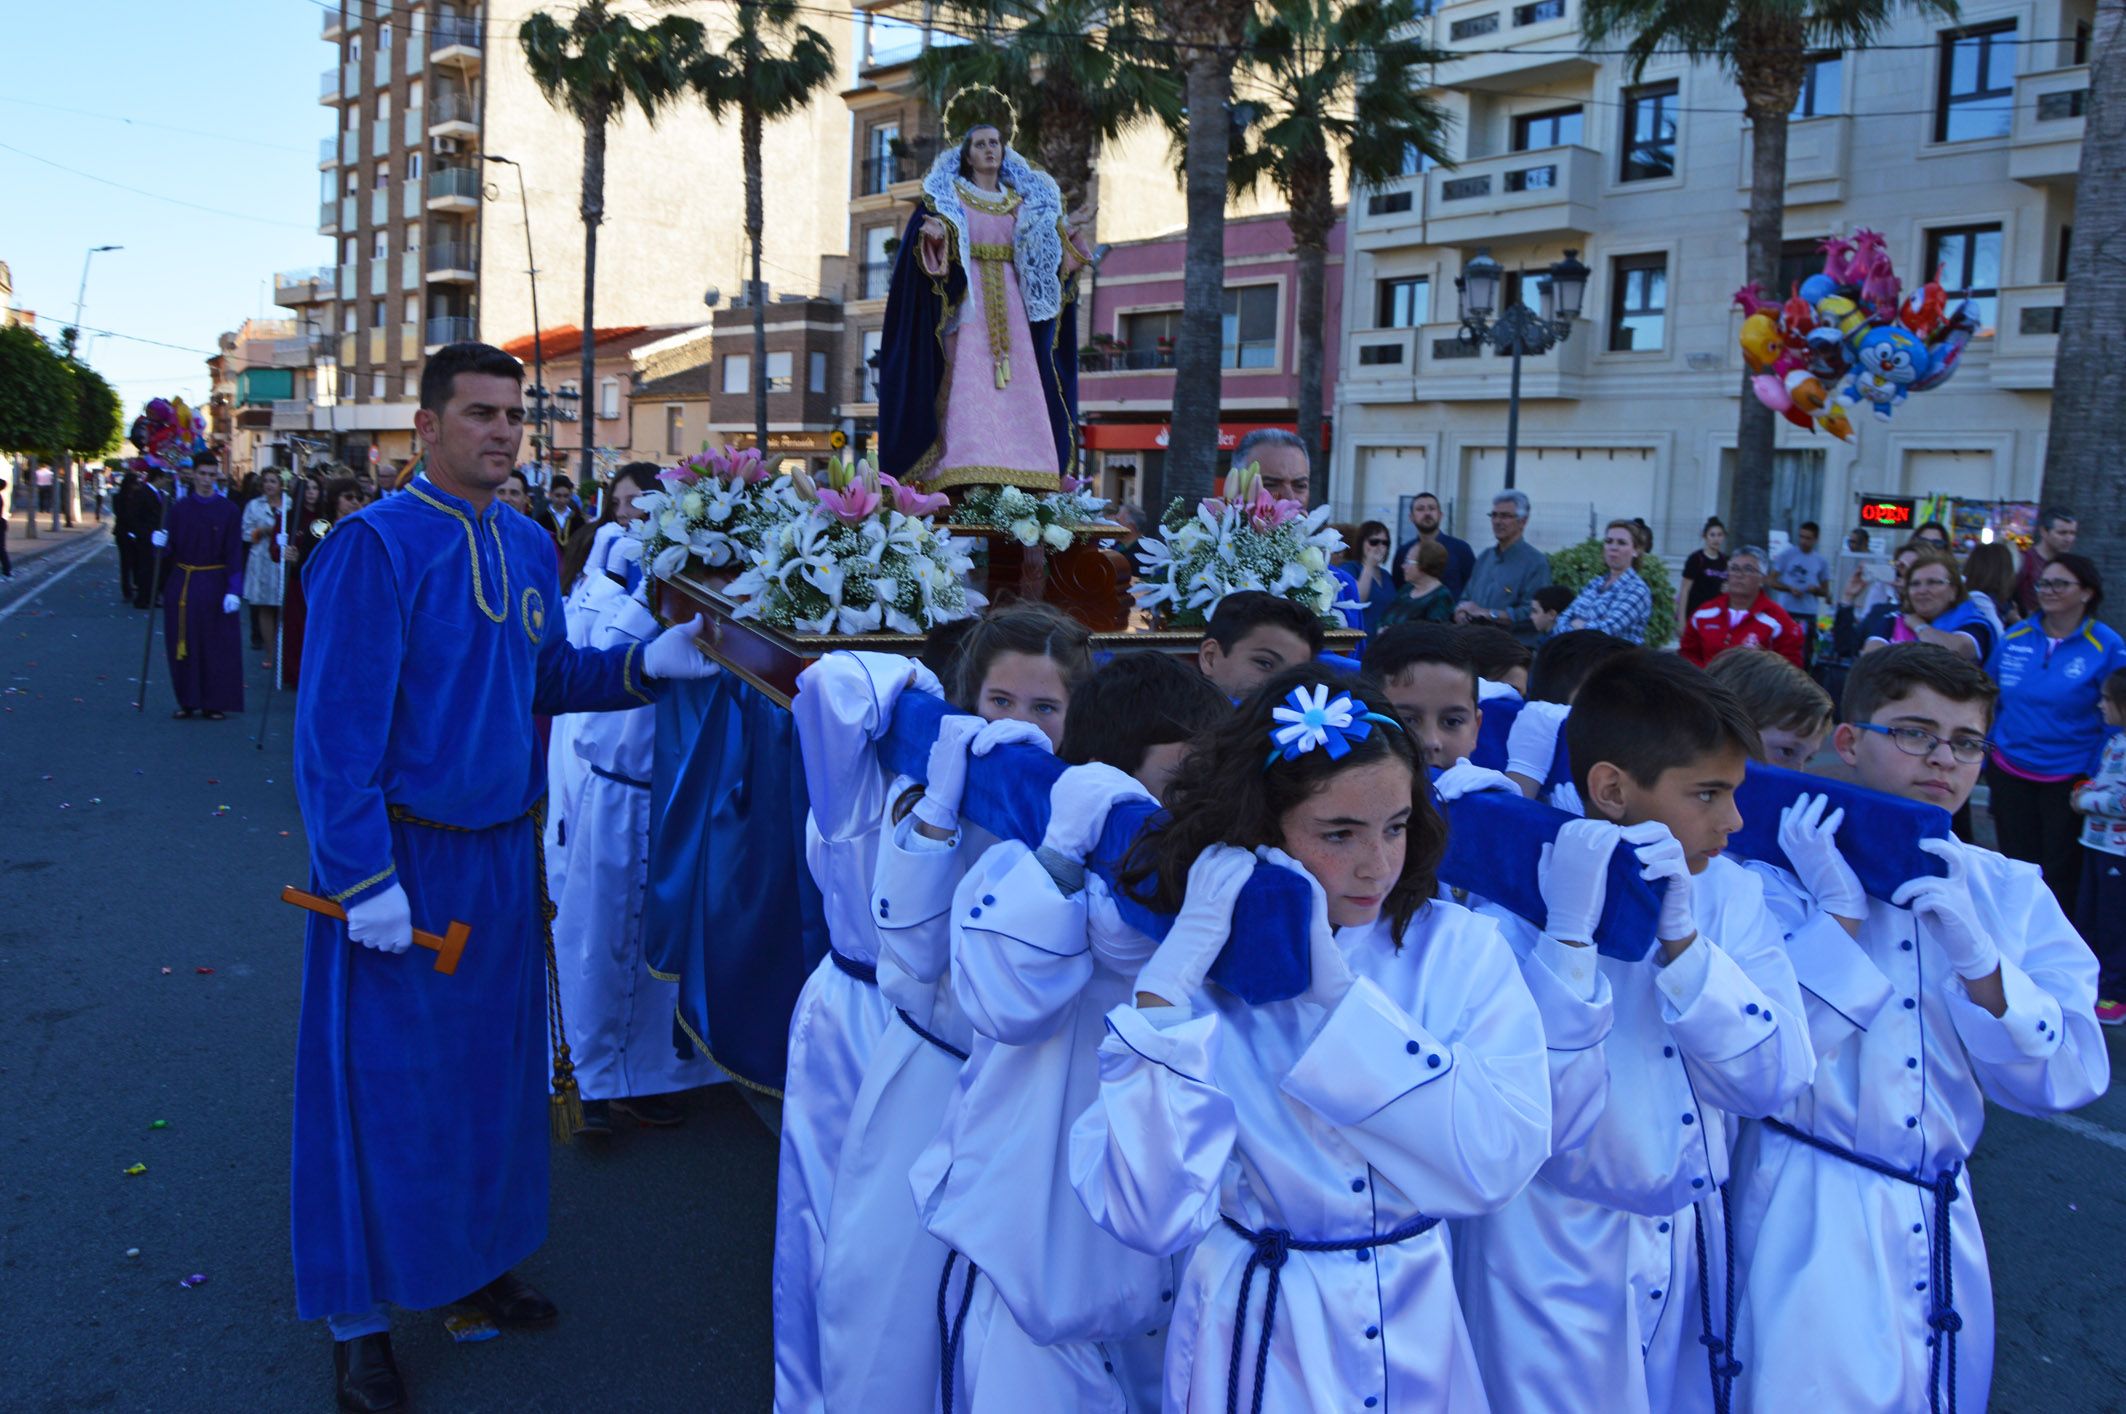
x=978 y=369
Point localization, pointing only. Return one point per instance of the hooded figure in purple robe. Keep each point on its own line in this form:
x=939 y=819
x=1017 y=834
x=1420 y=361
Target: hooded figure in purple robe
x=203 y=563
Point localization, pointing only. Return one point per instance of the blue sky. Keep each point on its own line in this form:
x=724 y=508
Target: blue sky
x=213 y=104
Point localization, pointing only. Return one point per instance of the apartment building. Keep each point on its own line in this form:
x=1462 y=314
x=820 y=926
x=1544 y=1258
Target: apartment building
x=1959 y=142
x=804 y=340
x=262 y=366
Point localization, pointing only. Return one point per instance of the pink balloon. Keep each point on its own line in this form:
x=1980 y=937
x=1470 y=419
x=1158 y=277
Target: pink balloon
x=1771 y=391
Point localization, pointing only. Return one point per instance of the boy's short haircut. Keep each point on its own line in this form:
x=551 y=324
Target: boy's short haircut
x=1777 y=695
x=1564 y=660
x=2115 y=688
x=1494 y=651
x=1405 y=646
x=1136 y=702
x=1555 y=597
x=1892 y=672
x=1645 y=713
x=1241 y=614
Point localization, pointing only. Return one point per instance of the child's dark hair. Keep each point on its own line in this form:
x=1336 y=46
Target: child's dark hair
x=1224 y=794
x=941 y=648
x=2115 y=689
x=1240 y=614
x=1555 y=598
x=1495 y=651
x=1406 y=646
x=1134 y=703
x=1892 y=672
x=1032 y=629
x=1646 y=712
x=1563 y=662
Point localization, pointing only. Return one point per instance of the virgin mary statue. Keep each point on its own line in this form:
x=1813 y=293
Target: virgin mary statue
x=978 y=361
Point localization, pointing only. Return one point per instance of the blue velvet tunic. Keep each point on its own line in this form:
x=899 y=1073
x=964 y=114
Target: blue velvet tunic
x=420 y=1137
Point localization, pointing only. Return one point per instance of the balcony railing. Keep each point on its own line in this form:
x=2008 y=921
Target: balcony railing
x=328 y=85
x=328 y=152
x=882 y=170
x=291 y=414
x=873 y=279
x=331 y=27
x=379 y=205
x=452 y=106
x=448 y=182
x=453 y=256
x=454 y=32
x=864 y=384
x=2045 y=144
x=328 y=218
x=1112 y=360
x=410 y=197
x=1543 y=192
x=449 y=329
x=379 y=274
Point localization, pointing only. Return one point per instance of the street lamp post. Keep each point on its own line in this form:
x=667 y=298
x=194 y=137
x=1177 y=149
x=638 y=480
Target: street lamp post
x=1519 y=330
x=63 y=492
x=531 y=270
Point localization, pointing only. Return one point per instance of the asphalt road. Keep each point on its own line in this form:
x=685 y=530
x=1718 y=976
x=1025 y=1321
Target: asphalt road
x=131 y=844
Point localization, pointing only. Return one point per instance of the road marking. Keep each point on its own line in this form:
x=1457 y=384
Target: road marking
x=2088 y=1129
x=81 y=557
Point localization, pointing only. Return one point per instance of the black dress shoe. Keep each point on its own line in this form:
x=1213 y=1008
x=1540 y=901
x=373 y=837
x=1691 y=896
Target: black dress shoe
x=510 y=1301
x=367 y=1377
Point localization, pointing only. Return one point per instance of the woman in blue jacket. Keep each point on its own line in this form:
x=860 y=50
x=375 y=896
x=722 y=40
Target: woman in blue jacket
x=2049 y=726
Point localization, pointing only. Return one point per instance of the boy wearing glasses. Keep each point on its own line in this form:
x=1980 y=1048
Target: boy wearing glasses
x=1855 y=1210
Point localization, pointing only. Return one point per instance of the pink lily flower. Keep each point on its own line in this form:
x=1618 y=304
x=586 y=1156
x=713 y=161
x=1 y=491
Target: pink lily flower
x=681 y=475
x=1070 y=484
x=854 y=505
x=746 y=467
x=912 y=501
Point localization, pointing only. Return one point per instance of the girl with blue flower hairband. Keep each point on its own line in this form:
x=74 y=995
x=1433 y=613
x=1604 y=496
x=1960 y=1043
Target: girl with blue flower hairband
x=1303 y=1152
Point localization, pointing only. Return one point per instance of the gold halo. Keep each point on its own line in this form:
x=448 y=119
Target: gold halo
x=1011 y=114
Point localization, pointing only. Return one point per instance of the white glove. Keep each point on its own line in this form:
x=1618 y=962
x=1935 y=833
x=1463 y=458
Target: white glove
x=1079 y=804
x=158 y=538
x=1810 y=839
x=1532 y=745
x=382 y=921
x=1574 y=877
x=959 y=737
x=675 y=655
x=1945 y=904
x=230 y=603
x=1465 y=777
x=1667 y=867
x=281 y=540
x=1184 y=957
x=1328 y=974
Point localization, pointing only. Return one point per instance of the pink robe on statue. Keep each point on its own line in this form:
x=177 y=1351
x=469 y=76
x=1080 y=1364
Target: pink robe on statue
x=991 y=434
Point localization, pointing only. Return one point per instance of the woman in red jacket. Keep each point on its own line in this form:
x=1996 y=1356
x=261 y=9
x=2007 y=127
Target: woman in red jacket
x=1742 y=617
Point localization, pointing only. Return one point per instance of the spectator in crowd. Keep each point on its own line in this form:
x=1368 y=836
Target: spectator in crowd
x=2101 y=912
x=1550 y=601
x=2051 y=670
x=1792 y=713
x=1742 y=616
x=1643 y=533
x=1619 y=603
x=1868 y=605
x=1372 y=577
x=7 y=566
x=1933 y=532
x=1287 y=470
x=44 y=486
x=248 y=489
x=1425 y=520
x=135 y=512
x=261 y=527
x=1705 y=572
x=1989 y=582
x=1502 y=661
x=1936 y=610
x=332 y=502
x=1800 y=580
x=562 y=514
x=1857 y=541
x=516 y=493
x=1502 y=585
x=2056 y=529
x=1426 y=597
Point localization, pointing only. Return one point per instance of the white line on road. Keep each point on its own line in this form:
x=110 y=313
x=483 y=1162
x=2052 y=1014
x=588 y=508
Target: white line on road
x=81 y=557
x=2088 y=1129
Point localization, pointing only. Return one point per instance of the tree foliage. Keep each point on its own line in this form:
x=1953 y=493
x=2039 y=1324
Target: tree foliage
x=37 y=398
x=96 y=425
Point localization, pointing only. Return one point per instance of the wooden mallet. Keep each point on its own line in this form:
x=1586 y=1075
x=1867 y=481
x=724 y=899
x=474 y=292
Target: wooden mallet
x=448 y=948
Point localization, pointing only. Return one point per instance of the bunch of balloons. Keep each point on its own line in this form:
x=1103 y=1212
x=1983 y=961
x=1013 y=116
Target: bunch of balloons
x=167 y=435
x=1849 y=337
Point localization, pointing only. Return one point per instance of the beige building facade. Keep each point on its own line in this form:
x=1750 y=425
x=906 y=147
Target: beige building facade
x=1959 y=142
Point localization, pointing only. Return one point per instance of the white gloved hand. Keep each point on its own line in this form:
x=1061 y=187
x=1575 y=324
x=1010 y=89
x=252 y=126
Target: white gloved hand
x=230 y=603
x=281 y=540
x=1945 y=905
x=1184 y=957
x=945 y=779
x=158 y=538
x=1532 y=744
x=1328 y=973
x=1080 y=802
x=1574 y=878
x=1665 y=866
x=382 y=921
x=1810 y=839
x=675 y=655
x=1465 y=777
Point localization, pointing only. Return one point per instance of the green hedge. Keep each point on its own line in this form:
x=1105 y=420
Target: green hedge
x=1577 y=566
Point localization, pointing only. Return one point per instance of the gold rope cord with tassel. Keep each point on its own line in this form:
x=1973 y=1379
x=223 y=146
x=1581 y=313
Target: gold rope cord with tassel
x=184 y=601
x=994 y=260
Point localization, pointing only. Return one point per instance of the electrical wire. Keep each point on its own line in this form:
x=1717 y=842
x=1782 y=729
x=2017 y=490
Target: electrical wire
x=156 y=196
x=150 y=123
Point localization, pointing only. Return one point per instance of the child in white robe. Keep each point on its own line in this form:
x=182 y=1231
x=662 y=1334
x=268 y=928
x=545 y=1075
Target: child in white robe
x=1305 y=1150
x=1865 y=1282
x=1602 y=1287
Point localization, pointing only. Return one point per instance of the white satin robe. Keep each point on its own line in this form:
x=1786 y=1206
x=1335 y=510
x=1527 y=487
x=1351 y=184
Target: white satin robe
x=1834 y=1297
x=1063 y=1316
x=1423 y=1092
x=593 y=595
x=1582 y=1293
x=618 y=1016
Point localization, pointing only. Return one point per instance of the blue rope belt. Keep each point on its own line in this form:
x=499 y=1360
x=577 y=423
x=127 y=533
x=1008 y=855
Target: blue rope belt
x=863 y=972
x=939 y=1041
x=616 y=776
x=949 y=1330
x=1271 y=1247
x=1723 y=1370
x=1942 y=1318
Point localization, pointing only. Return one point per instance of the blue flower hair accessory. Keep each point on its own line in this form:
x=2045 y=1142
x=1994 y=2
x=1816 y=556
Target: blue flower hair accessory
x=1309 y=718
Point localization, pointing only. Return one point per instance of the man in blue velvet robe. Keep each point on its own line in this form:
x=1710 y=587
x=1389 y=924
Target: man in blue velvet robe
x=203 y=555
x=421 y=1100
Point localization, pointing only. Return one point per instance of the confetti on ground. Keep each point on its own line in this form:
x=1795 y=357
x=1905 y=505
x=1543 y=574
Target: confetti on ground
x=284 y=834
x=159 y=1124
x=221 y=810
x=213 y=781
x=136 y=1171
x=132 y=1251
x=468 y=1326
x=166 y=972
x=203 y=971
x=196 y=1279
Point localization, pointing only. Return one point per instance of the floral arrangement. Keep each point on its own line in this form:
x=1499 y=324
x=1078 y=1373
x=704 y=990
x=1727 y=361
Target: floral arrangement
x=720 y=507
x=860 y=554
x=1033 y=519
x=1247 y=539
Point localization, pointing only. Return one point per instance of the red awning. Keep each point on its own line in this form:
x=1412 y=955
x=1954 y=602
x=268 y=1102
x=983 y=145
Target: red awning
x=1153 y=436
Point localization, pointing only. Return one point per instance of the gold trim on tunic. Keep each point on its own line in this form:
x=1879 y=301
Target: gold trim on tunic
x=472 y=548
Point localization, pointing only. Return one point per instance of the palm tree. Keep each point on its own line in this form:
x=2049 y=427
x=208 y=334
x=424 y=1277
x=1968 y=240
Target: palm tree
x=594 y=66
x=1079 y=72
x=772 y=66
x=2089 y=376
x=1314 y=67
x=1765 y=45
